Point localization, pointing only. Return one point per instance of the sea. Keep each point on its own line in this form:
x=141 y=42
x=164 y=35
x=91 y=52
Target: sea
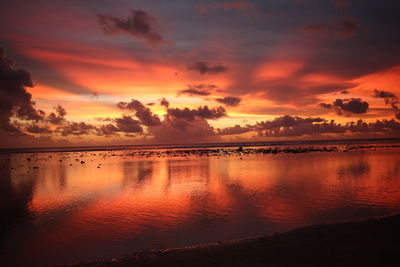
x=82 y=204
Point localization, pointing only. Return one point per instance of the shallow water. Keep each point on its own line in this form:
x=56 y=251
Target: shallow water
x=55 y=209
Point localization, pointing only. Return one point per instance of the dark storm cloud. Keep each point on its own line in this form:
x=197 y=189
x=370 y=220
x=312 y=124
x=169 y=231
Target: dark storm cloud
x=325 y=105
x=203 y=67
x=107 y=119
x=194 y=92
x=237 y=129
x=138 y=24
x=286 y=126
x=296 y=126
x=198 y=89
x=143 y=113
x=388 y=96
x=178 y=125
x=57 y=117
x=347 y=106
x=127 y=124
x=108 y=129
x=164 y=102
x=179 y=130
x=201 y=112
x=340 y=28
x=124 y=124
x=354 y=105
x=36 y=129
x=182 y=128
x=390 y=99
x=286 y=121
x=229 y=101
x=77 y=128
x=15 y=101
x=187 y=125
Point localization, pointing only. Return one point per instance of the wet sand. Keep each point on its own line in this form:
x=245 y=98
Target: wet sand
x=372 y=242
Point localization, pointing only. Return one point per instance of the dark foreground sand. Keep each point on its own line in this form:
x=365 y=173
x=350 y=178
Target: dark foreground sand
x=373 y=242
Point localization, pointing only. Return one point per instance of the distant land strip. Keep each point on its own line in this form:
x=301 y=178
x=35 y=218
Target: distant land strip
x=199 y=145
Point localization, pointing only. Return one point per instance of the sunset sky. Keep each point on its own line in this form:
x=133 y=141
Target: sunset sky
x=86 y=72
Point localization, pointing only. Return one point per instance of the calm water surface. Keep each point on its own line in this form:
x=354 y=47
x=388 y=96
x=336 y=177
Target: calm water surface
x=55 y=209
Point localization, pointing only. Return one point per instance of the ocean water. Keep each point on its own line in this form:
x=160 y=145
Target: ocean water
x=67 y=205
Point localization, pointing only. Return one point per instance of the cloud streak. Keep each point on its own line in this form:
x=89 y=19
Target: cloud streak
x=143 y=113
x=343 y=27
x=77 y=128
x=203 y=67
x=36 y=129
x=198 y=89
x=348 y=106
x=138 y=24
x=229 y=101
x=390 y=99
x=201 y=112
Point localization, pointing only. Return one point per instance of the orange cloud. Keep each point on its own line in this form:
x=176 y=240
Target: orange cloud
x=388 y=80
x=278 y=69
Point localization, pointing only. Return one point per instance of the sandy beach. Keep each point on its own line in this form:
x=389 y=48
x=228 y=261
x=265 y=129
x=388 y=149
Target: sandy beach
x=371 y=242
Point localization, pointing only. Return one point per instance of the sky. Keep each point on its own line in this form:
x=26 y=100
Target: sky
x=86 y=72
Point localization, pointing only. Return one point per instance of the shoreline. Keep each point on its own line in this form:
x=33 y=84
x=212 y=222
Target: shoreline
x=370 y=242
x=230 y=151
x=275 y=143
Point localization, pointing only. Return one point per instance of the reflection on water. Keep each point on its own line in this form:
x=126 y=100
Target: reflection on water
x=55 y=209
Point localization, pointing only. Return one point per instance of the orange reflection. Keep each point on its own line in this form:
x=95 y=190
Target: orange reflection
x=121 y=202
